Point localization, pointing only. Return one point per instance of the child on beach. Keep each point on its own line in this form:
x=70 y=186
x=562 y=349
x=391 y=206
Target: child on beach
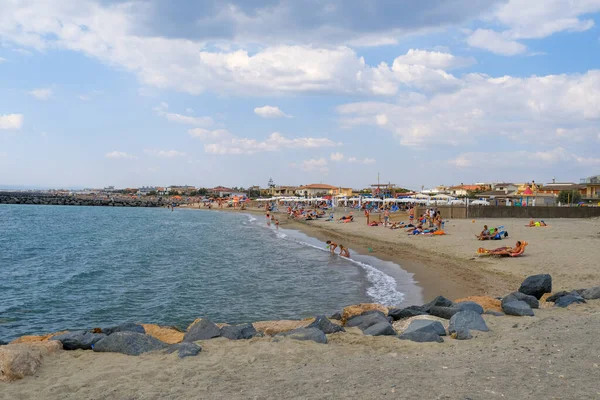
x=344 y=252
x=277 y=223
x=332 y=246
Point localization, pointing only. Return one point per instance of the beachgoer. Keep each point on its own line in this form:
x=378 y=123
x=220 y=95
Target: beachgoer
x=533 y=223
x=484 y=233
x=332 y=246
x=386 y=217
x=411 y=214
x=367 y=215
x=344 y=252
x=277 y=223
x=510 y=251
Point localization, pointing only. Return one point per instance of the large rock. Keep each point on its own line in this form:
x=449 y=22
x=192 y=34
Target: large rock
x=337 y=316
x=402 y=325
x=591 y=293
x=569 y=299
x=164 y=334
x=518 y=296
x=79 y=340
x=462 y=334
x=186 y=349
x=383 y=328
x=358 y=309
x=423 y=325
x=421 y=337
x=314 y=334
x=127 y=327
x=202 y=330
x=518 y=308
x=439 y=301
x=537 y=285
x=556 y=296
x=130 y=343
x=238 y=332
x=366 y=320
x=470 y=305
x=324 y=324
x=467 y=320
x=408 y=312
x=444 y=312
x=23 y=359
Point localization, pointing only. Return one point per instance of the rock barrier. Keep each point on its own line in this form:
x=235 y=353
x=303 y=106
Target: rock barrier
x=45 y=199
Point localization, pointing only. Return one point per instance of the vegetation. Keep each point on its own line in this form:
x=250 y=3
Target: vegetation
x=569 y=197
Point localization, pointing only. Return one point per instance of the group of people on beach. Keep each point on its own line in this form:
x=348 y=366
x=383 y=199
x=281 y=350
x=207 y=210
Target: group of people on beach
x=272 y=220
x=344 y=252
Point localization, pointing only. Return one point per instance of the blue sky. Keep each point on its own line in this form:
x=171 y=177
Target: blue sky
x=132 y=93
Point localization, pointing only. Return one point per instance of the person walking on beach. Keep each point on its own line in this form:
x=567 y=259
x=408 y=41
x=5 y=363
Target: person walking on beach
x=411 y=214
x=344 y=252
x=386 y=217
x=332 y=246
x=367 y=215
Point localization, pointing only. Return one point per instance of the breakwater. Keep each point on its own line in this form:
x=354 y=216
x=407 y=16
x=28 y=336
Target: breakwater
x=64 y=200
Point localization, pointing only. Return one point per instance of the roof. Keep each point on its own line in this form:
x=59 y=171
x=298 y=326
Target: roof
x=562 y=186
x=498 y=193
x=318 y=186
x=221 y=189
x=505 y=184
x=467 y=187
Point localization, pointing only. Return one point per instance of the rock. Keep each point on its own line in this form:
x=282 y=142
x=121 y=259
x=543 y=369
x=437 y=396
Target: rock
x=557 y=296
x=518 y=308
x=127 y=327
x=423 y=325
x=591 y=293
x=467 y=320
x=79 y=340
x=3 y=343
x=314 y=334
x=488 y=303
x=34 y=339
x=569 y=299
x=421 y=337
x=444 y=312
x=275 y=327
x=238 y=332
x=401 y=326
x=130 y=343
x=328 y=327
x=537 y=285
x=439 y=301
x=23 y=359
x=380 y=329
x=401 y=313
x=462 y=334
x=516 y=296
x=203 y=330
x=366 y=320
x=494 y=313
x=186 y=349
x=337 y=316
x=470 y=305
x=358 y=309
x=164 y=334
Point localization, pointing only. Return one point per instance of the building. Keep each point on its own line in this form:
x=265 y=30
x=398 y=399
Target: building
x=283 y=191
x=221 y=191
x=592 y=187
x=185 y=189
x=505 y=187
x=144 y=190
x=321 y=189
x=464 y=190
x=556 y=187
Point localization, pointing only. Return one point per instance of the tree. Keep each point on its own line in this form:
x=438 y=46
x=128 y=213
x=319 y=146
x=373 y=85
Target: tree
x=152 y=193
x=173 y=193
x=202 y=191
x=569 y=196
x=194 y=193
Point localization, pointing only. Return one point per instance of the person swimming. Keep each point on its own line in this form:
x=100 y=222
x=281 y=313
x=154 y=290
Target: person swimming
x=332 y=246
x=344 y=252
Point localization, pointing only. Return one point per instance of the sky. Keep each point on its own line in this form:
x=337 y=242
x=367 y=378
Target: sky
x=154 y=92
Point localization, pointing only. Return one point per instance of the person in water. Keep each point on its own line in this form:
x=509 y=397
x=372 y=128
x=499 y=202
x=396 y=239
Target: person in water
x=344 y=252
x=332 y=246
x=277 y=223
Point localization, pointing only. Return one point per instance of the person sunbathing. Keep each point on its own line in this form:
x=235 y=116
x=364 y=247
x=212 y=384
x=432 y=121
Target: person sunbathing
x=510 y=251
x=347 y=218
x=397 y=225
x=533 y=223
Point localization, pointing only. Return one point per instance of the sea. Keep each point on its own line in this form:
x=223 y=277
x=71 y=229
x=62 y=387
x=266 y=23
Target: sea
x=69 y=267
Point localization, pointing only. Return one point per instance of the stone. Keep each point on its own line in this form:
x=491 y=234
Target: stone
x=272 y=328
x=324 y=324
x=337 y=316
x=380 y=329
x=591 y=293
x=358 y=309
x=421 y=337
x=439 y=301
x=537 y=285
x=462 y=334
x=557 y=296
x=424 y=325
x=569 y=299
x=24 y=359
x=366 y=320
x=444 y=312
x=186 y=349
x=130 y=343
x=467 y=320
x=126 y=327
x=164 y=334
x=79 y=340
x=401 y=325
x=3 y=343
x=470 y=305
x=238 y=332
x=531 y=300
x=488 y=303
x=401 y=313
x=314 y=334
x=518 y=308
x=202 y=330
x=494 y=313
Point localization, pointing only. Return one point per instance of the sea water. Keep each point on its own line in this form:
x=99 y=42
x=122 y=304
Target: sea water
x=67 y=267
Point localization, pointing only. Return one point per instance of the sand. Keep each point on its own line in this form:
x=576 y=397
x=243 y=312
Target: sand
x=550 y=356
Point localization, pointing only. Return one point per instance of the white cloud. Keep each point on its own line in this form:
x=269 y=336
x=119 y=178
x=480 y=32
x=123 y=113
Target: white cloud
x=164 y=153
x=355 y=160
x=2 y=60
x=275 y=142
x=11 y=121
x=189 y=110
x=336 y=156
x=161 y=110
x=41 y=93
x=206 y=134
x=435 y=59
x=495 y=42
x=524 y=158
x=121 y=155
x=315 y=164
x=270 y=112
